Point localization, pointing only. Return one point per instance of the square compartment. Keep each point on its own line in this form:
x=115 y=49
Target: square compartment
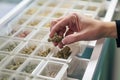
x=39 y=35
x=92 y=8
x=66 y=4
x=32 y=10
x=44 y=50
x=53 y=71
x=63 y=53
x=14 y=63
x=45 y=12
x=75 y=48
x=35 y=21
x=30 y=66
x=59 y=13
x=28 y=48
x=20 y=20
x=46 y=24
x=41 y=2
x=77 y=68
x=10 y=45
x=12 y=30
x=79 y=6
x=23 y=33
x=19 y=77
x=53 y=3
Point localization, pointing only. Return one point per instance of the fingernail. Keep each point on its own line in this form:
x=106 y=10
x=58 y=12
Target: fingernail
x=50 y=35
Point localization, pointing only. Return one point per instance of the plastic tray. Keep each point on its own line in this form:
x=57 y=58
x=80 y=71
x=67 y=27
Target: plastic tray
x=31 y=28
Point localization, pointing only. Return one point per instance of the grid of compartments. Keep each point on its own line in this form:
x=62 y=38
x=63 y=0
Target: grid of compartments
x=25 y=51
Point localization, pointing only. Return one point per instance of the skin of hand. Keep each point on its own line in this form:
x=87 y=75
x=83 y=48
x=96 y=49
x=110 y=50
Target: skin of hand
x=79 y=27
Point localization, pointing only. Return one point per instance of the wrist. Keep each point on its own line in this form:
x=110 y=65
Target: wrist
x=109 y=29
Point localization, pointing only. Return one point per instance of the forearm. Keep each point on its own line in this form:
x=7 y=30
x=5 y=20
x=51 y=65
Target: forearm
x=110 y=30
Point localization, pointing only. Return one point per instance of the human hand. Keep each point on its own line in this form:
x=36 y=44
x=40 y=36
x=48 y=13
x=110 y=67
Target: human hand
x=79 y=27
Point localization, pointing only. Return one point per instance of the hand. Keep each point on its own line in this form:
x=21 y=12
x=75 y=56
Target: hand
x=79 y=27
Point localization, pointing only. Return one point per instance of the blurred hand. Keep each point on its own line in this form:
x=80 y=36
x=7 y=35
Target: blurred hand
x=79 y=27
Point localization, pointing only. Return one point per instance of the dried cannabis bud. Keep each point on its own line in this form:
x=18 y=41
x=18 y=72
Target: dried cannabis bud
x=14 y=65
x=29 y=68
x=44 y=53
x=64 y=53
x=10 y=46
x=56 y=38
x=28 y=49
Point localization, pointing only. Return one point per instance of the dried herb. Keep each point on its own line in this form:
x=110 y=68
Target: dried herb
x=64 y=53
x=44 y=53
x=56 y=38
x=14 y=65
x=28 y=49
x=29 y=68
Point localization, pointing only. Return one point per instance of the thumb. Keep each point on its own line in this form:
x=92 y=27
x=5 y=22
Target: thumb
x=71 y=38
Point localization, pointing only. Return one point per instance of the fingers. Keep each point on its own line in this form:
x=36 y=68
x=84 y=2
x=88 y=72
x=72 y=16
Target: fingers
x=53 y=22
x=72 y=38
x=61 y=24
x=60 y=45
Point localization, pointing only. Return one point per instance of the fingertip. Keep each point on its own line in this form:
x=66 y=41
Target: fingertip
x=60 y=45
x=51 y=34
x=64 y=41
x=55 y=44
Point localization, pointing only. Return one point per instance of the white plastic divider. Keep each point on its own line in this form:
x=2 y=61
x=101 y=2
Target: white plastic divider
x=3 y=58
